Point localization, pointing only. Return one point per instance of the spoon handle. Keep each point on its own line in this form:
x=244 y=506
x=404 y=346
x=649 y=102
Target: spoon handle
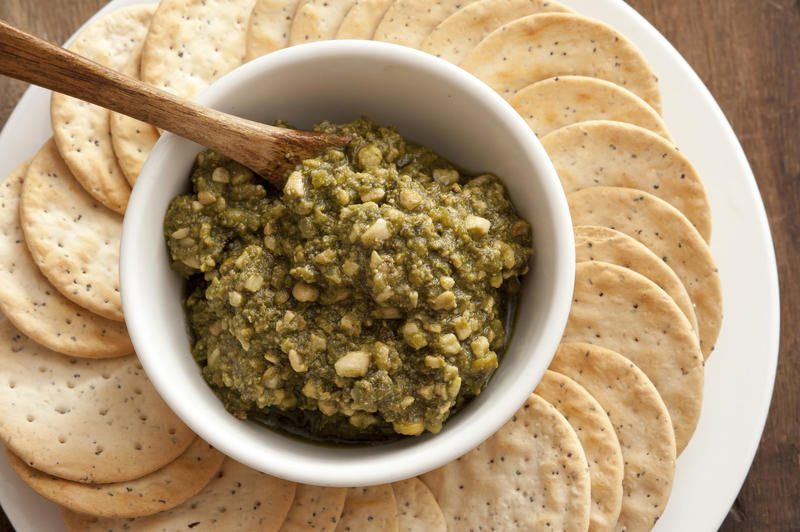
x=261 y=147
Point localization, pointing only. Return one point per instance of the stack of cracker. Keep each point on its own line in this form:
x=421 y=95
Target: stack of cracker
x=593 y=448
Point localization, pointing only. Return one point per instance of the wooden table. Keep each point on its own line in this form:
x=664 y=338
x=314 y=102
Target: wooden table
x=748 y=53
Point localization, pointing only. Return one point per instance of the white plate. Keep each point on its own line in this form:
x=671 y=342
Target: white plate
x=741 y=372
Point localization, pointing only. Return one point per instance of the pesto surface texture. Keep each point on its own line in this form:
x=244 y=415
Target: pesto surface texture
x=368 y=296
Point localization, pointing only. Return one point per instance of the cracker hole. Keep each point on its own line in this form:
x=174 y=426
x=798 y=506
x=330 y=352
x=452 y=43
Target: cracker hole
x=30 y=418
x=12 y=384
x=143 y=417
x=103 y=411
x=137 y=391
x=62 y=410
x=42 y=369
x=137 y=446
x=70 y=384
x=172 y=431
x=62 y=439
x=98 y=450
x=106 y=375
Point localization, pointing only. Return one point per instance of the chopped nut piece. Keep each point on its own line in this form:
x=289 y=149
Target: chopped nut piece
x=254 y=283
x=434 y=362
x=304 y=292
x=409 y=199
x=409 y=429
x=369 y=156
x=447 y=282
x=206 y=198
x=445 y=176
x=215 y=328
x=477 y=226
x=376 y=233
x=180 y=233
x=294 y=185
x=480 y=346
x=375 y=194
x=444 y=301
x=325 y=257
x=220 y=175
x=449 y=344
x=350 y=268
x=387 y=313
x=353 y=364
x=297 y=362
x=234 y=298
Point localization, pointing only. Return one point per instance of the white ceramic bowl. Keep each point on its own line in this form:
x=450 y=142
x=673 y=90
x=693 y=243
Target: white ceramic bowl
x=430 y=101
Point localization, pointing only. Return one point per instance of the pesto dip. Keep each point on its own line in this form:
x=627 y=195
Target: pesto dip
x=365 y=299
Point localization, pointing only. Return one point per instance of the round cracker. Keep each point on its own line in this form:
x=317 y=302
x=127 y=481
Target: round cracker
x=642 y=424
x=73 y=239
x=34 y=306
x=409 y=22
x=369 y=508
x=607 y=245
x=363 y=18
x=553 y=103
x=315 y=509
x=605 y=153
x=531 y=474
x=624 y=311
x=417 y=509
x=538 y=47
x=93 y=421
x=176 y=60
x=459 y=33
x=161 y=490
x=667 y=233
x=133 y=140
x=268 y=30
x=237 y=498
x=81 y=130
x=318 y=20
x=599 y=442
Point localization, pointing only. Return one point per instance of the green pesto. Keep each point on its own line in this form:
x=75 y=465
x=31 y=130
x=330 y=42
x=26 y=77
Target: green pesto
x=367 y=298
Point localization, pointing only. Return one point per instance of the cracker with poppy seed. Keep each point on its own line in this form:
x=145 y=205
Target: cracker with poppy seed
x=621 y=310
x=270 y=23
x=417 y=509
x=369 y=508
x=174 y=59
x=459 y=33
x=34 y=306
x=237 y=498
x=642 y=424
x=667 y=233
x=81 y=130
x=539 y=47
x=599 y=440
x=158 y=491
x=363 y=18
x=593 y=242
x=314 y=509
x=87 y=420
x=133 y=141
x=556 y=102
x=531 y=474
x=409 y=22
x=606 y=153
x=318 y=20
x=73 y=239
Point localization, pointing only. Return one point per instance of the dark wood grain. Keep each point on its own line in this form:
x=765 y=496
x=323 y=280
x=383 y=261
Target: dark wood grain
x=748 y=53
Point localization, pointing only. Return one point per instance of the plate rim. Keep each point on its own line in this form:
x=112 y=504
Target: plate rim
x=14 y=502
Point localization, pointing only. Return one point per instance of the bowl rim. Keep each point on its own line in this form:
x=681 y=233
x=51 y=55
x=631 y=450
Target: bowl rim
x=460 y=444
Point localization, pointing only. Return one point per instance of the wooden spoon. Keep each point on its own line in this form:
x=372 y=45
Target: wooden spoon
x=267 y=150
